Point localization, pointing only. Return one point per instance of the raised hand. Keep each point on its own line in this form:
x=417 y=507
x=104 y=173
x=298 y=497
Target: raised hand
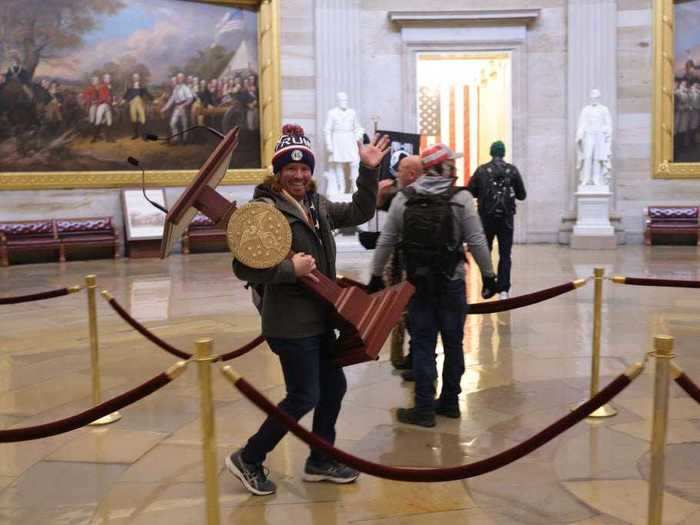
x=371 y=154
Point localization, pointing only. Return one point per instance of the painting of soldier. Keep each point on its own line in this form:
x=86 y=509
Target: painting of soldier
x=83 y=82
x=686 y=100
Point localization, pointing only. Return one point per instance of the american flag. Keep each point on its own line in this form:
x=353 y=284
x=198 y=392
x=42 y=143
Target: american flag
x=429 y=111
x=444 y=115
x=231 y=21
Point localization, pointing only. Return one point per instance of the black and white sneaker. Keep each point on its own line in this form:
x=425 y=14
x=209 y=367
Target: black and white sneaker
x=253 y=476
x=329 y=470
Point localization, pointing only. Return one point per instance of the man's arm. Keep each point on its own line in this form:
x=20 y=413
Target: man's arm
x=389 y=238
x=473 y=235
x=364 y=200
x=282 y=273
x=387 y=191
x=519 y=186
x=363 y=205
x=473 y=186
x=169 y=103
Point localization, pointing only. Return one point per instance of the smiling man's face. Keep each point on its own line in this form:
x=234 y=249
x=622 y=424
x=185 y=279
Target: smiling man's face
x=294 y=178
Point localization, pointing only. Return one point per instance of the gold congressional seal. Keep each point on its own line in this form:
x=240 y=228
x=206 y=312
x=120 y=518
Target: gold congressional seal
x=258 y=235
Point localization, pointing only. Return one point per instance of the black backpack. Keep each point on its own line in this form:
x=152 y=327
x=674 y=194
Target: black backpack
x=429 y=245
x=499 y=199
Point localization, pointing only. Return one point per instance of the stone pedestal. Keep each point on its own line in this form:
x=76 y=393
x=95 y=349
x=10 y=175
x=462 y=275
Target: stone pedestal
x=593 y=230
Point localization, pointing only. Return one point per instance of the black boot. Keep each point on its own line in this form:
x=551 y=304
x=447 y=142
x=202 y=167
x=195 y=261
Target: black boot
x=136 y=131
x=451 y=410
x=413 y=416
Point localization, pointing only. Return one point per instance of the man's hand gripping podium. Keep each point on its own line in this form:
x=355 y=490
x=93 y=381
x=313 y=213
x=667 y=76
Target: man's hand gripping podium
x=259 y=236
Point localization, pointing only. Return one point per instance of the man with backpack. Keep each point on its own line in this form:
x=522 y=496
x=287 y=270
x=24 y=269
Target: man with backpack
x=496 y=185
x=431 y=220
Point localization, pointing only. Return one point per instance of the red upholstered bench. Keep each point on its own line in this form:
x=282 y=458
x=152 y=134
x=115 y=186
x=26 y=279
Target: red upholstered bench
x=202 y=236
x=92 y=232
x=27 y=237
x=671 y=224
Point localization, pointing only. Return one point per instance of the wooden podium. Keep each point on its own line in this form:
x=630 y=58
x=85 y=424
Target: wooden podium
x=364 y=321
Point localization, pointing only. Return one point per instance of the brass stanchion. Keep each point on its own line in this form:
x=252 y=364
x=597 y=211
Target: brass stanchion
x=598 y=276
x=606 y=410
x=203 y=356
x=91 y=286
x=663 y=352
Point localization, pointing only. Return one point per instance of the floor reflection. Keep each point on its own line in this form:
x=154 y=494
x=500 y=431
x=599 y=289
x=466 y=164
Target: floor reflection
x=523 y=371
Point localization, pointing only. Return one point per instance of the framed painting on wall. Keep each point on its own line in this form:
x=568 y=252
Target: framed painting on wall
x=83 y=83
x=676 y=131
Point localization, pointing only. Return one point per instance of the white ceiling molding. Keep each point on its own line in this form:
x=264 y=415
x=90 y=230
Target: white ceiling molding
x=464 y=18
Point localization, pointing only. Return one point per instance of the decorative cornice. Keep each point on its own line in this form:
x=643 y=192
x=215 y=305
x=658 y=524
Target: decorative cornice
x=463 y=18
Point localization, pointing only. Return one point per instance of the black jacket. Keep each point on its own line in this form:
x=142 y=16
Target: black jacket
x=289 y=309
x=479 y=182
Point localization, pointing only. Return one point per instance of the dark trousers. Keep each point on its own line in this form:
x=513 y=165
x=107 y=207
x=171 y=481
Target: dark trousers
x=503 y=230
x=440 y=311
x=313 y=383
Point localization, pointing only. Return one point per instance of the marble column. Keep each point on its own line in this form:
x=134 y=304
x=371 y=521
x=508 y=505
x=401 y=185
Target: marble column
x=592 y=63
x=338 y=38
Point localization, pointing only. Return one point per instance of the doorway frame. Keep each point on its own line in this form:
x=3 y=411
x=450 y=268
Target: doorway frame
x=477 y=32
x=503 y=56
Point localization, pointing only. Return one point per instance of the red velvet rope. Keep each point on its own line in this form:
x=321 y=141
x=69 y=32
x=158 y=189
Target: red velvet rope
x=80 y=420
x=689 y=386
x=436 y=474
x=153 y=338
x=34 y=297
x=496 y=306
x=673 y=283
x=520 y=301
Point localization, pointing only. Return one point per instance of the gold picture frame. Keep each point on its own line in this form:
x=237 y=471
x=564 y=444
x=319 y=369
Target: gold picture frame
x=663 y=165
x=270 y=122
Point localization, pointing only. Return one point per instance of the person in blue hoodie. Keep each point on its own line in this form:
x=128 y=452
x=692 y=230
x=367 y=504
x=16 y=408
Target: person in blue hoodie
x=431 y=220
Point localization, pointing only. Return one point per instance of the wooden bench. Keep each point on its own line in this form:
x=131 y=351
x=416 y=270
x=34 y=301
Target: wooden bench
x=202 y=236
x=56 y=236
x=27 y=237
x=87 y=232
x=672 y=224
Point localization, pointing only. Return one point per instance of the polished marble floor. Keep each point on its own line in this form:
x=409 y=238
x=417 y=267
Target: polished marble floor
x=524 y=370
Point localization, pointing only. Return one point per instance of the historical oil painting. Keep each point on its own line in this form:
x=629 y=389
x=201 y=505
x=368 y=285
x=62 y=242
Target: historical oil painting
x=686 y=136
x=83 y=82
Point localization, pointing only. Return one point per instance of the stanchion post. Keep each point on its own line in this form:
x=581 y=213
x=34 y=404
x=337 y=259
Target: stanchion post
x=91 y=287
x=606 y=410
x=663 y=352
x=203 y=355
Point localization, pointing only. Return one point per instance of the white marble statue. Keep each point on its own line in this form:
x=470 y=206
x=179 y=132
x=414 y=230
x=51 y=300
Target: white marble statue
x=594 y=143
x=342 y=132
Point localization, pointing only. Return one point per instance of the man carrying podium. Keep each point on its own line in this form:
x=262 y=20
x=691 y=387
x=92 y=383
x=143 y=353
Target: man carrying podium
x=303 y=341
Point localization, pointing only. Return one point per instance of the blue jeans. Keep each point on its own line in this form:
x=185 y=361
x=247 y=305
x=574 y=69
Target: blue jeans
x=313 y=383
x=429 y=313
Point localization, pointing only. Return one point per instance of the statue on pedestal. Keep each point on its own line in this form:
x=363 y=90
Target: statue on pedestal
x=342 y=132
x=593 y=144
